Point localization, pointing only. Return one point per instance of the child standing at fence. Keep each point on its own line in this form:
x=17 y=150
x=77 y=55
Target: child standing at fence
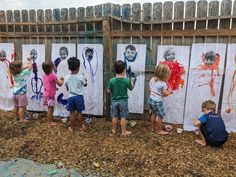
x=74 y=85
x=118 y=87
x=210 y=125
x=158 y=90
x=50 y=81
x=20 y=74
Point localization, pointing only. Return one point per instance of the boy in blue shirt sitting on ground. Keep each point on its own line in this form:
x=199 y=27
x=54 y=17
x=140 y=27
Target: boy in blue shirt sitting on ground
x=211 y=127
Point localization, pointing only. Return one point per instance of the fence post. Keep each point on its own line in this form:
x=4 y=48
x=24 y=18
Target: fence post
x=107 y=61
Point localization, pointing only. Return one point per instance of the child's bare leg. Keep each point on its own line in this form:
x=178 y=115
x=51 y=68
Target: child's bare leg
x=16 y=110
x=72 y=117
x=22 y=114
x=159 y=127
x=201 y=141
x=153 y=122
x=123 y=127
x=80 y=121
x=50 y=116
x=114 y=124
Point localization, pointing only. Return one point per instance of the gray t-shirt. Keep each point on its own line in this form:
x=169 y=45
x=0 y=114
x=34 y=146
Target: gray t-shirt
x=75 y=84
x=156 y=89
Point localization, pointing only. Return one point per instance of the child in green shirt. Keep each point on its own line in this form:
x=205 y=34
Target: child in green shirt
x=118 y=87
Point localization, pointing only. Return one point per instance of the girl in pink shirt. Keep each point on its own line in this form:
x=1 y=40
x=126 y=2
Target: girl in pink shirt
x=50 y=81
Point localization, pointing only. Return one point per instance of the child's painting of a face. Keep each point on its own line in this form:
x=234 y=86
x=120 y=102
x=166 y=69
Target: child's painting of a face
x=210 y=58
x=169 y=54
x=2 y=55
x=33 y=54
x=130 y=53
x=63 y=53
x=89 y=54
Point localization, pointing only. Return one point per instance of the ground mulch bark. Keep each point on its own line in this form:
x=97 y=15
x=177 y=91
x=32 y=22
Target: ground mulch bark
x=96 y=150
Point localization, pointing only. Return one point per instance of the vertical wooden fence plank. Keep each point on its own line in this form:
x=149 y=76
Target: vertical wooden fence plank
x=17 y=18
x=73 y=27
x=64 y=18
x=107 y=9
x=81 y=16
x=18 y=41
x=157 y=15
x=72 y=17
x=233 y=38
x=10 y=19
x=147 y=15
x=48 y=18
x=49 y=40
x=89 y=16
x=201 y=24
x=32 y=19
x=25 y=18
x=57 y=28
x=40 y=19
x=213 y=11
x=98 y=14
x=167 y=15
x=65 y=28
x=116 y=12
x=178 y=14
x=56 y=18
x=189 y=13
x=107 y=55
x=136 y=15
x=226 y=6
x=126 y=16
x=3 y=28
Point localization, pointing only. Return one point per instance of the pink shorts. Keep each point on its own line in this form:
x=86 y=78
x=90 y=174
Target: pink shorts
x=20 y=100
x=49 y=101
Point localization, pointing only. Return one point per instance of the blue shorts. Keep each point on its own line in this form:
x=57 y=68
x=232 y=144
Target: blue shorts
x=76 y=103
x=157 y=108
x=119 y=109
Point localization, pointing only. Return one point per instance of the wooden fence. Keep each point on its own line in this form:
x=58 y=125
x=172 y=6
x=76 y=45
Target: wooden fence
x=168 y=23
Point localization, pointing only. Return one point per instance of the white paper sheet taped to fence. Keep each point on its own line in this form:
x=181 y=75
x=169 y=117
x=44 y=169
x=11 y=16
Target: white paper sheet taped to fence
x=34 y=82
x=91 y=65
x=60 y=54
x=6 y=93
x=228 y=109
x=177 y=57
x=205 y=79
x=135 y=56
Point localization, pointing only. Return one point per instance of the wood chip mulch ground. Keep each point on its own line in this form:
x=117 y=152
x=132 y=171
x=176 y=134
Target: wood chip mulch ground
x=96 y=150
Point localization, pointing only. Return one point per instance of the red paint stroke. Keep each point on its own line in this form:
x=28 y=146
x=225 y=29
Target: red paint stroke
x=212 y=67
x=177 y=71
x=7 y=63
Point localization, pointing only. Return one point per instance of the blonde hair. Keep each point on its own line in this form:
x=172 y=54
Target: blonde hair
x=209 y=105
x=162 y=72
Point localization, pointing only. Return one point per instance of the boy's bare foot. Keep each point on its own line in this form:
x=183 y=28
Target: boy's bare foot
x=113 y=131
x=126 y=133
x=82 y=128
x=70 y=129
x=24 y=121
x=198 y=141
x=52 y=124
x=162 y=132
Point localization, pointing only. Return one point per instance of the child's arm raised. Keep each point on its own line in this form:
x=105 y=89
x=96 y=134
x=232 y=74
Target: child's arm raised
x=60 y=81
x=29 y=65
